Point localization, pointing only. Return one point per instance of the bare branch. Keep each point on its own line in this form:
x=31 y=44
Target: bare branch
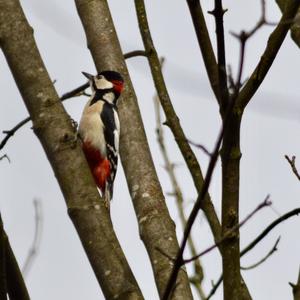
x=261 y=22
x=264 y=233
x=261 y=236
x=295 y=28
x=237 y=84
x=215 y=287
x=296 y=288
x=218 y=13
x=11 y=132
x=265 y=203
x=272 y=251
x=201 y=147
x=75 y=92
x=135 y=53
x=5 y=156
x=34 y=248
x=205 y=45
x=274 y=43
x=243 y=37
x=292 y=162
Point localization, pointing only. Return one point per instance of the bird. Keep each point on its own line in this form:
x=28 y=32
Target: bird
x=99 y=129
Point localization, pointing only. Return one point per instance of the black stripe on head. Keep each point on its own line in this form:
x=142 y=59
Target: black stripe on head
x=112 y=75
x=115 y=78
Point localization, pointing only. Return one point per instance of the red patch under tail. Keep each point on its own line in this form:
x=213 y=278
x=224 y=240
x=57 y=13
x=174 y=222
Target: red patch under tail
x=100 y=166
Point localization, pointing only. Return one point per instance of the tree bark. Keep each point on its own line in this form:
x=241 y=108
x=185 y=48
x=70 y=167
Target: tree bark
x=230 y=156
x=53 y=127
x=11 y=279
x=16 y=287
x=3 y=285
x=296 y=288
x=156 y=228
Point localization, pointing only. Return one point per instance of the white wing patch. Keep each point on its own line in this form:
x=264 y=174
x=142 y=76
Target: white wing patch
x=117 y=131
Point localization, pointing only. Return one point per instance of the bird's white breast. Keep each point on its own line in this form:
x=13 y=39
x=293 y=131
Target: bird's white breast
x=91 y=126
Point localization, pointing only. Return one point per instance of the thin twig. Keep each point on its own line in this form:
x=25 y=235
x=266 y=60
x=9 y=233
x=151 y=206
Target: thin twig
x=243 y=36
x=262 y=260
x=264 y=233
x=218 y=13
x=34 y=248
x=5 y=156
x=265 y=203
x=243 y=39
x=11 y=132
x=205 y=45
x=274 y=43
x=251 y=245
x=75 y=93
x=135 y=53
x=292 y=162
x=201 y=147
x=215 y=287
x=261 y=22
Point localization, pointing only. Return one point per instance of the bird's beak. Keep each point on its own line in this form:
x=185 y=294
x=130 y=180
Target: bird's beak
x=87 y=75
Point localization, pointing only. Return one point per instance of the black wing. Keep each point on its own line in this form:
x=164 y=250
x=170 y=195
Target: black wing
x=112 y=141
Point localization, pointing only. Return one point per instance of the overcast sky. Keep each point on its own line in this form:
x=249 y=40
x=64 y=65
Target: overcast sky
x=270 y=129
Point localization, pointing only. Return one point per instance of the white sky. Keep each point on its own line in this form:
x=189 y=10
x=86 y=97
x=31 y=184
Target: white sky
x=269 y=130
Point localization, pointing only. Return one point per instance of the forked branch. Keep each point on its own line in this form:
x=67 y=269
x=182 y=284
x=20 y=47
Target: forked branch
x=292 y=162
x=257 y=240
x=274 y=43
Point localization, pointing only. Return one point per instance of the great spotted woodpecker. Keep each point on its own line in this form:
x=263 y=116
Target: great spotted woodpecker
x=99 y=129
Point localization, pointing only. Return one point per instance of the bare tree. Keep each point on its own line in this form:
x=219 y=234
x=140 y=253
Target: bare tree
x=87 y=210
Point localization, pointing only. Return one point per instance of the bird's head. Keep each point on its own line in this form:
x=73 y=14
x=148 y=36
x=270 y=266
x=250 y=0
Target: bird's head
x=105 y=83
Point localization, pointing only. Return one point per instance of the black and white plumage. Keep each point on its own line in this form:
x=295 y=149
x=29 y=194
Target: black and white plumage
x=99 y=129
